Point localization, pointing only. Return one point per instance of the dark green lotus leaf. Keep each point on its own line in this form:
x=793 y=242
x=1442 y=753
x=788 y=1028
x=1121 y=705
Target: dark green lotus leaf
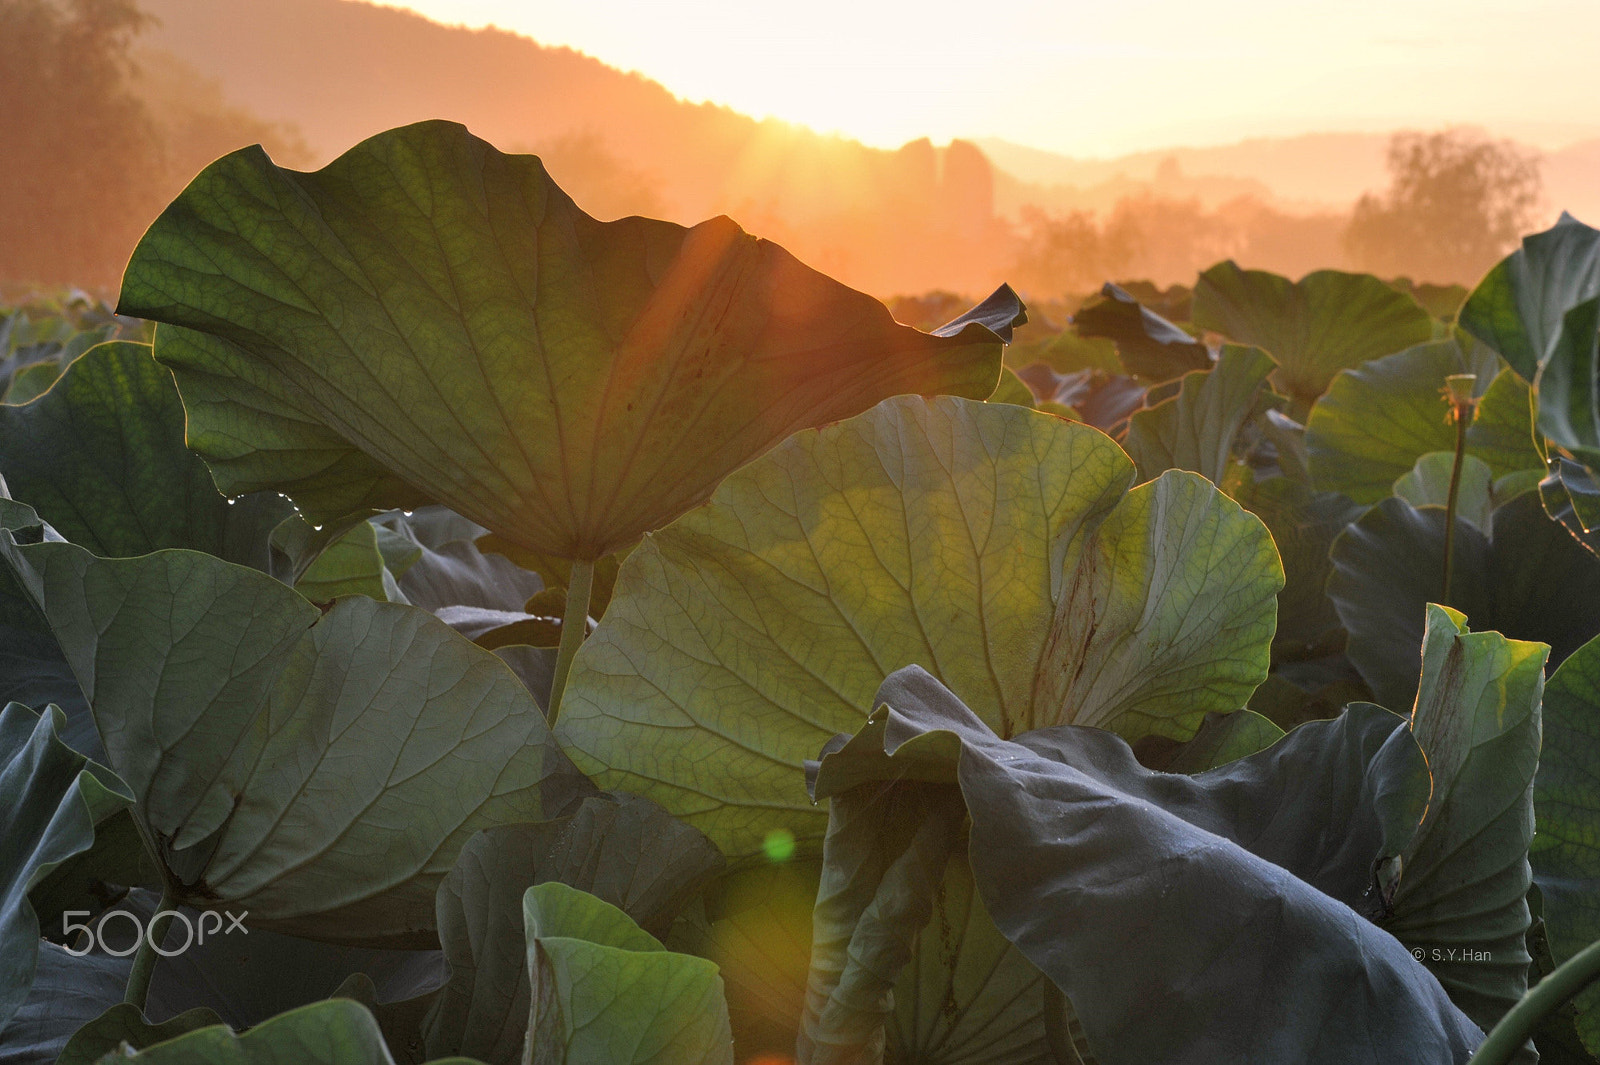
x=1326 y=322
x=350 y=564
x=1377 y=420
x=427 y=319
x=622 y=849
x=336 y=1031
x=604 y=990
x=1095 y=867
x=320 y=769
x=240 y=979
x=1568 y=394
x=33 y=671
x=1000 y=546
x=1566 y=852
x=31 y=382
x=1428 y=485
x=435 y=558
x=1303 y=523
x=1288 y=700
x=68 y=992
x=1195 y=429
x=52 y=797
x=1464 y=877
x=124 y=1024
x=1518 y=307
x=1571 y=495
x=1149 y=346
x=1527 y=579
x=101 y=458
x=1092 y=396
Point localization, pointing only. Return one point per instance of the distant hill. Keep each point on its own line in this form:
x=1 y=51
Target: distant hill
x=903 y=221
x=340 y=71
x=1311 y=172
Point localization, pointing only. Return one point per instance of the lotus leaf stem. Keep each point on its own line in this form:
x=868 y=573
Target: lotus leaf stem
x=144 y=962
x=1458 y=392
x=574 y=623
x=1542 y=999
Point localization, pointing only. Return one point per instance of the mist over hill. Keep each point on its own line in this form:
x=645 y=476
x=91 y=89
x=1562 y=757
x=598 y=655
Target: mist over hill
x=313 y=77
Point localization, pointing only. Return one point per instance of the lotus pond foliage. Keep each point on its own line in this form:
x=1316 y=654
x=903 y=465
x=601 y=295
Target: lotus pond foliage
x=542 y=640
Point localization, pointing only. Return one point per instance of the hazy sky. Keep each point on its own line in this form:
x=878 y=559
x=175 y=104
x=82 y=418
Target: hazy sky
x=1093 y=77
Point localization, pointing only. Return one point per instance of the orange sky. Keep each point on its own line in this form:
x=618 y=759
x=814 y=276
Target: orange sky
x=1097 y=78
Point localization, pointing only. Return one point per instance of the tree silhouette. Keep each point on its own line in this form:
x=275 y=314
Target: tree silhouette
x=1457 y=202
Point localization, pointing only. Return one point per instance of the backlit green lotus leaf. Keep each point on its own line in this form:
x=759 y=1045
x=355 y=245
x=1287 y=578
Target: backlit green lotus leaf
x=1326 y=322
x=606 y=991
x=1194 y=430
x=318 y=768
x=1377 y=420
x=427 y=319
x=998 y=547
x=1464 y=877
x=1518 y=307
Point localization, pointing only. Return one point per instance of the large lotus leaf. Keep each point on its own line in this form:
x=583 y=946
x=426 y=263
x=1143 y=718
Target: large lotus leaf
x=1326 y=322
x=1517 y=308
x=52 y=797
x=1566 y=851
x=320 y=769
x=1141 y=895
x=606 y=991
x=1568 y=394
x=623 y=850
x=101 y=458
x=1194 y=430
x=1376 y=420
x=998 y=546
x=428 y=319
x=124 y=1024
x=337 y=1031
x=1528 y=579
x=1464 y=877
x=1149 y=346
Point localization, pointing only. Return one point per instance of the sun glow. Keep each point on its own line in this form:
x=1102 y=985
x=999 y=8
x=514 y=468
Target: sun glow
x=1093 y=78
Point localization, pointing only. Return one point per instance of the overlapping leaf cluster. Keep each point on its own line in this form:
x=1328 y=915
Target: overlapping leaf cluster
x=485 y=600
